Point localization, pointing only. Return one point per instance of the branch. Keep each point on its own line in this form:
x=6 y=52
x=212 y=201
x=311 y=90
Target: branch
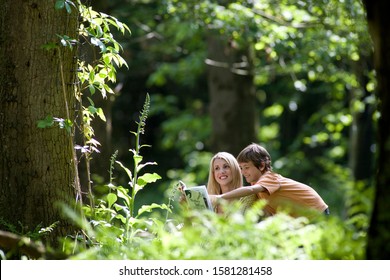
x=24 y=245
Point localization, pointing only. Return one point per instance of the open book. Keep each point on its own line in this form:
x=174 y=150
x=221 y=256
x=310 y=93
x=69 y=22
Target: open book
x=197 y=197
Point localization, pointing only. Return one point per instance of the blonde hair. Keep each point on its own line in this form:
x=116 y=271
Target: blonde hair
x=212 y=185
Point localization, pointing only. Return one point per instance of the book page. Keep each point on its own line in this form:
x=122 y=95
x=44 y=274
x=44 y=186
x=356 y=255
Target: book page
x=198 y=198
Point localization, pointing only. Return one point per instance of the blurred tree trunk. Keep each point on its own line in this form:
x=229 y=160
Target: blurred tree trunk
x=378 y=245
x=232 y=96
x=362 y=130
x=36 y=165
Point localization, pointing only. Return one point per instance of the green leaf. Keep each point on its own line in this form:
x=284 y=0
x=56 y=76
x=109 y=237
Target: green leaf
x=111 y=199
x=100 y=113
x=49 y=46
x=68 y=8
x=149 y=208
x=145 y=179
x=148 y=178
x=97 y=42
x=91 y=101
x=92 y=109
x=92 y=76
x=121 y=218
x=140 y=166
x=47 y=122
x=60 y=4
x=122 y=193
x=67 y=125
x=128 y=172
x=91 y=89
x=137 y=159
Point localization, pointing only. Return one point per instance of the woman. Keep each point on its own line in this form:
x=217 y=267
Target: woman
x=224 y=176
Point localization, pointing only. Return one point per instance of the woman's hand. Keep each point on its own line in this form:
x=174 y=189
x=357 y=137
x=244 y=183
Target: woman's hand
x=215 y=199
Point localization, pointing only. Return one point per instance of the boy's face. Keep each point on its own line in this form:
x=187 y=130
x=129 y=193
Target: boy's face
x=250 y=172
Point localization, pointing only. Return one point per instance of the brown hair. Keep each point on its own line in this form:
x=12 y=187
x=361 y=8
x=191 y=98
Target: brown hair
x=256 y=154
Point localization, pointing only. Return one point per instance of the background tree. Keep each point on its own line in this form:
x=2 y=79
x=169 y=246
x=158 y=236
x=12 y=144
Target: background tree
x=230 y=77
x=379 y=233
x=36 y=165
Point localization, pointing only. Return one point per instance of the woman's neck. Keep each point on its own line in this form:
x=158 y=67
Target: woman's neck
x=227 y=188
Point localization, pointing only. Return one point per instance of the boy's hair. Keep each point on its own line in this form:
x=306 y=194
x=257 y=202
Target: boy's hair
x=256 y=154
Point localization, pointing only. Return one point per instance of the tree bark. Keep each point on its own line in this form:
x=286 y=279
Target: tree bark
x=378 y=245
x=232 y=96
x=362 y=130
x=36 y=165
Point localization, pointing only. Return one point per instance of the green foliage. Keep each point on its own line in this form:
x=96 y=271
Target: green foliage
x=36 y=233
x=50 y=121
x=67 y=4
x=96 y=74
x=95 y=29
x=115 y=209
x=205 y=235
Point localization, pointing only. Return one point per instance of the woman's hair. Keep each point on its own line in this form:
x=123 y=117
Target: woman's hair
x=212 y=186
x=256 y=154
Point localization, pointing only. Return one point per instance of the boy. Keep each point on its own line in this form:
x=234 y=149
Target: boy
x=281 y=193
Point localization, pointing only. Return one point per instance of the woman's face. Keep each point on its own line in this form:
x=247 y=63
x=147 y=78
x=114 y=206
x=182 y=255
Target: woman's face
x=222 y=172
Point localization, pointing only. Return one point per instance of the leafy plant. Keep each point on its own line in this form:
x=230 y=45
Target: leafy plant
x=114 y=212
x=204 y=235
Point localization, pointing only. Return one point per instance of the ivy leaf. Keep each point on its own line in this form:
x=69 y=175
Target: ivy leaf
x=92 y=109
x=91 y=89
x=97 y=42
x=100 y=113
x=49 y=46
x=47 y=122
x=68 y=8
x=60 y=4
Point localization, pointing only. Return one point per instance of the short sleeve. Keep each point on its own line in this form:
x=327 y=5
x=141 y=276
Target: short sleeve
x=270 y=181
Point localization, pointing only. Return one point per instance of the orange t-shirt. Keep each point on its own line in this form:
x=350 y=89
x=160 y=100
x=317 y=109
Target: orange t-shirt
x=293 y=196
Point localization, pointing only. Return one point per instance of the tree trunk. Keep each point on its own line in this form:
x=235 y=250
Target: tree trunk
x=36 y=165
x=378 y=245
x=232 y=96
x=362 y=131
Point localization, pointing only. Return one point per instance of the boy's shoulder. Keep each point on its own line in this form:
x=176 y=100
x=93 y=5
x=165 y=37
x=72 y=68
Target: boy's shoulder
x=271 y=175
x=269 y=178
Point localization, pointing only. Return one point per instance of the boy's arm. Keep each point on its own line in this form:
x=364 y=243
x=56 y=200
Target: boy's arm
x=242 y=191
